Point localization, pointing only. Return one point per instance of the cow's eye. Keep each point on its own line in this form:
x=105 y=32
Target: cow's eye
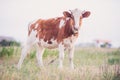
x=72 y=16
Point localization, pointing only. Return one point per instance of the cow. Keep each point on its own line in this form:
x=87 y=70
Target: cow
x=59 y=32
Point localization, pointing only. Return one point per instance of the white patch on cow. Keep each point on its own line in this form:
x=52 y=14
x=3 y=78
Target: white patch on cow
x=37 y=40
x=62 y=22
x=67 y=18
x=32 y=37
x=68 y=42
x=36 y=25
x=43 y=43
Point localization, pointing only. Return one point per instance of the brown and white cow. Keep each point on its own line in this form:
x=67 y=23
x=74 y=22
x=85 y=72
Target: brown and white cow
x=60 y=32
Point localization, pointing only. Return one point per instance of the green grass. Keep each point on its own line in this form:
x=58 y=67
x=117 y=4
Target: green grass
x=90 y=64
x=114 y=59
x=6 y=51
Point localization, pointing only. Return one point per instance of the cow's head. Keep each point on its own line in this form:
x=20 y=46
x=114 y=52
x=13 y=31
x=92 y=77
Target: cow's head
x=76 y=15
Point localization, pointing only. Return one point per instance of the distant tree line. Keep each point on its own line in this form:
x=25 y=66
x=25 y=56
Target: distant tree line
x=9 y=43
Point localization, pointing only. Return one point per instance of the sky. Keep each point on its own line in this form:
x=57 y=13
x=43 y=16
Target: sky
x=103 y=23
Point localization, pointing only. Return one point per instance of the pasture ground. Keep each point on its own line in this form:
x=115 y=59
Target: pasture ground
x=90 y=64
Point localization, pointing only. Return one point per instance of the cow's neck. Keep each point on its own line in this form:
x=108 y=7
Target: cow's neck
x=68 y=29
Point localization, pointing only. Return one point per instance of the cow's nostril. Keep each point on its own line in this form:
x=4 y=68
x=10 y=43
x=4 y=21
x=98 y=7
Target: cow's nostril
x=76 y=29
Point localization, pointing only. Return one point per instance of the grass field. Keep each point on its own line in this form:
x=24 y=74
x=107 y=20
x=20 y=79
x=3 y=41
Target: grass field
x=90 y=64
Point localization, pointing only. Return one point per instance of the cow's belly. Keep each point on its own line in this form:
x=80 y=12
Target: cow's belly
x=50 y=45
x=68 y=42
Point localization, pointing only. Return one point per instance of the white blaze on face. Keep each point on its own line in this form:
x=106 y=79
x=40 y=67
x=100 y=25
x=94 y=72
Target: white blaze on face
x=76 y=14
x=62 y=22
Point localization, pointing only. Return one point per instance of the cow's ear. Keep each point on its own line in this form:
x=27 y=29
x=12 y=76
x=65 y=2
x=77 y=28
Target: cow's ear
x=85 y=14
x=66 y=14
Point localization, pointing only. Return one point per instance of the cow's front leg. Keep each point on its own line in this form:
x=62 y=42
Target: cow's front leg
x=71 y=55
x=61 y=55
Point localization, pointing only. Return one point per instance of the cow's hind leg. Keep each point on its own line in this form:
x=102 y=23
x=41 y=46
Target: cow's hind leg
x=31 y=40
x=39 y=54
x=23 y=55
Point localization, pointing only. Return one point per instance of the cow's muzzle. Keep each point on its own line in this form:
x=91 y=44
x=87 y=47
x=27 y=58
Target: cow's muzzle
x=75 y=30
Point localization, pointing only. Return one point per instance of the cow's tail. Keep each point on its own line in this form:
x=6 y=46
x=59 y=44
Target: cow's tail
x=29 y=28
x=53 y=60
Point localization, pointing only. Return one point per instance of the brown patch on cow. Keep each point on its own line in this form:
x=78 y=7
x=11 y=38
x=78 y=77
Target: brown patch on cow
x=49 y=42
x=80 y=23
x=49 y=29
